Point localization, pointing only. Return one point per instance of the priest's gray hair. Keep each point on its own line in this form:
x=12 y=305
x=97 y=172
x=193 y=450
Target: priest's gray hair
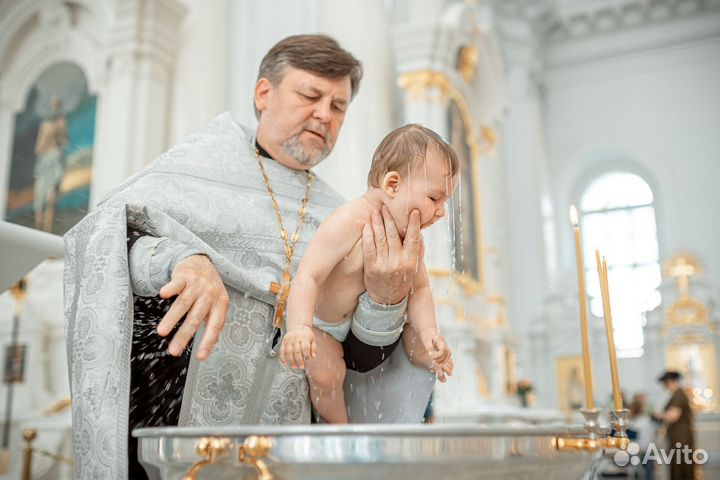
x=320 y=55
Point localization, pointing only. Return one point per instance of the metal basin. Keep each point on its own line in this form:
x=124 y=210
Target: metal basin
x=352 y=452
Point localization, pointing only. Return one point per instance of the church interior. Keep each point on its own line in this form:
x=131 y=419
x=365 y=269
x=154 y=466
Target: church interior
x=580 y=125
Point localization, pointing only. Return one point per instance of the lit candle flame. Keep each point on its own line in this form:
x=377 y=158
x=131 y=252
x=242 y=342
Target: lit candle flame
x=573 y=215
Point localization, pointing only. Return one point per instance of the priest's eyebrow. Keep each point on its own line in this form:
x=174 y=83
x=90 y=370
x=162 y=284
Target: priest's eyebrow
x=317 y=91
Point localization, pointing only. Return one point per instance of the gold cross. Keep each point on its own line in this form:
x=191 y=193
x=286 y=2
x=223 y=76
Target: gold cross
x=281 y=291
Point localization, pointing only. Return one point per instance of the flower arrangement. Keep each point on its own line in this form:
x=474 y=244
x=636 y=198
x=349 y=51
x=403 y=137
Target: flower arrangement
x=524 y=387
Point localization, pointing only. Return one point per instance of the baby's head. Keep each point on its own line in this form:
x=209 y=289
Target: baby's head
x=414 y=168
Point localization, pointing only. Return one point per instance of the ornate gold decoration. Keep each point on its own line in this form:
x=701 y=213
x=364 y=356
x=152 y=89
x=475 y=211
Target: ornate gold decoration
x=594 y=439
x=686 y=311
x=56 y=407
x=254 y=447
x=482 y=384
x=581 y=444
x=211 y=449
x=29 y=435
x=467 y=62
x=489 y=138
x=469 y=286
x=498 y=300
x=459 y=309
x=19 y=292
x=682 y=267
x=689 y=339
x=282 y=290
x=416 y=83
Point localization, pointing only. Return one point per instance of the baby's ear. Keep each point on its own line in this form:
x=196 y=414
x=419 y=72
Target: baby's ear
x=391 y=183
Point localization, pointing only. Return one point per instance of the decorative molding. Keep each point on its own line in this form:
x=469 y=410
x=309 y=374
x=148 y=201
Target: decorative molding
x=559 y=20
x=545 y=35
x=611 y=17
x=687 y=312
x=146 y=29
x=467 y=62
x=37 y=34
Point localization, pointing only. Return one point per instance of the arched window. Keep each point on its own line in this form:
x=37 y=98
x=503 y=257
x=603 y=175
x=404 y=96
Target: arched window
x=618 y=218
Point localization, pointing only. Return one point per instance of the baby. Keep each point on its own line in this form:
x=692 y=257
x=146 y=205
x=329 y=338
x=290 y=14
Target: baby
x=412 y=168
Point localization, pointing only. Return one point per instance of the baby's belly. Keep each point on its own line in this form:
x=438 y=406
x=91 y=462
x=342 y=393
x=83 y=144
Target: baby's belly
x=337 y=301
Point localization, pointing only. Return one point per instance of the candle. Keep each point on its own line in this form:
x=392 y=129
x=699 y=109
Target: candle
x=587 y=365
x=605 y=292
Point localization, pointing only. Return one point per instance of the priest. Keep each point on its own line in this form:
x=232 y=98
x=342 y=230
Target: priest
x=175 y=286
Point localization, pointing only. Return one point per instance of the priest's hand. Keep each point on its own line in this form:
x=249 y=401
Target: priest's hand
x=390 y=263
x=201 y=295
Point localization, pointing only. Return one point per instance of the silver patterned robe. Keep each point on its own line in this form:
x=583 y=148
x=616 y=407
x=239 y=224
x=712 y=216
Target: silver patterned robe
x=206 y=193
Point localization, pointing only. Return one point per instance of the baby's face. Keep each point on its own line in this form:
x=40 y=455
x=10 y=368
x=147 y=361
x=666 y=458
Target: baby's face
x=426 y=187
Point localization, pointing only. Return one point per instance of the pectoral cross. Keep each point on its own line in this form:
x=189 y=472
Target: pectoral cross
x=281 y=291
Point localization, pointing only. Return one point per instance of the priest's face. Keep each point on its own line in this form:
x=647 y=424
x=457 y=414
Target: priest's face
x=301 y=116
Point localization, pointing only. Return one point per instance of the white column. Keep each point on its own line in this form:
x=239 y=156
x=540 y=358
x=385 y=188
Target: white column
x=522 y=151
x=200 y=90
x=133 y=103
x=254 y=28
x=362 y=28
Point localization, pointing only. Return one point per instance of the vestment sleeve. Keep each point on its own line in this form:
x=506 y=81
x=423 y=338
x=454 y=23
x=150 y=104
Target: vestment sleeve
x=151 y=261
x=376 y=324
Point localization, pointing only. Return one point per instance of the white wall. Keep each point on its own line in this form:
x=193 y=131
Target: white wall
x=657 y=113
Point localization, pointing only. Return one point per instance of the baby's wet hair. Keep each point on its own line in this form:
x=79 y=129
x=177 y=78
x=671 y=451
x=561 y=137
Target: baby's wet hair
x=405 y=145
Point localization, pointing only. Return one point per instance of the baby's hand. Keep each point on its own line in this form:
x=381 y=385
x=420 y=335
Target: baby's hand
x=435 y=344
x=443 y=369
x=439 y=351
x=297 y=345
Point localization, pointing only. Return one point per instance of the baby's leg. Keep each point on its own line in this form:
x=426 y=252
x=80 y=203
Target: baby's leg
x=326 y=373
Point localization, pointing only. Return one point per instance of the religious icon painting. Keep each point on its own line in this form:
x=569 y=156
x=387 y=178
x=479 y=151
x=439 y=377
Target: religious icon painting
x=52 y=152
x=570 y=383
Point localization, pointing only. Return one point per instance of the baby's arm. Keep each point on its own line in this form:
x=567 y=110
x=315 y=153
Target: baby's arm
x=421 y=308
x=421 y=314
x=331 y=243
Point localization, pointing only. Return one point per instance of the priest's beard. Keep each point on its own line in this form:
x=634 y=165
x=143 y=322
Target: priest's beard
x=308 y=157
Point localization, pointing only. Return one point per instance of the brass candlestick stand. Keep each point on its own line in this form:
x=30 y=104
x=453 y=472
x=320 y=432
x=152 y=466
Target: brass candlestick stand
x=597 y=439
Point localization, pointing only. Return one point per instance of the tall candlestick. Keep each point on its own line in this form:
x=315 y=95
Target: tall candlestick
x=605 y=292
x=587 y=365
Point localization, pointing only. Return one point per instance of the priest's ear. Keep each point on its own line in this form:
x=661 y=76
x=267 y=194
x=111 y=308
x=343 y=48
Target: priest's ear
x=263 y=88
x=391 y=183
